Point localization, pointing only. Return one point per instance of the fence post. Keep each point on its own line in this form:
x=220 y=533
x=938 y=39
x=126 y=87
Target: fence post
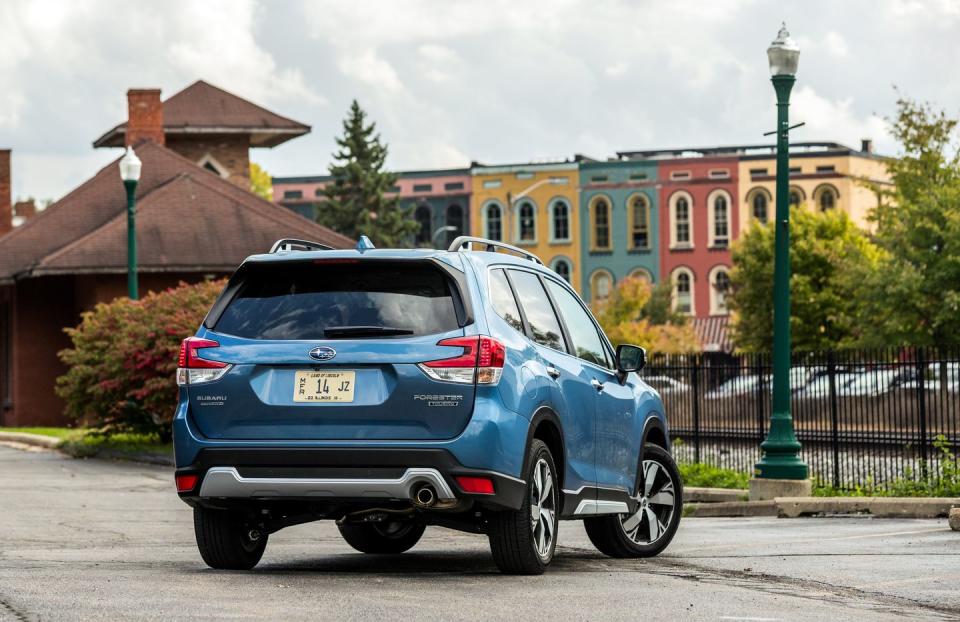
x=761 y=395
x=922 y=411
x=695 y=390
x=834 y=416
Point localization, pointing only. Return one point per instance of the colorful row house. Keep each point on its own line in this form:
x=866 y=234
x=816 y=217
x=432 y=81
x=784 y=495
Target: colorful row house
x=668 y=215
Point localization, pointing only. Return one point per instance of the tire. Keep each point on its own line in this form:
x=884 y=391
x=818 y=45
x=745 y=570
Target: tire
x=388 y=538
x=224 y=539
x=635 y=535
x=524 y=541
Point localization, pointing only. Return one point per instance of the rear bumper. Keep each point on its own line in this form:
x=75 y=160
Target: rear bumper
x=339 y=474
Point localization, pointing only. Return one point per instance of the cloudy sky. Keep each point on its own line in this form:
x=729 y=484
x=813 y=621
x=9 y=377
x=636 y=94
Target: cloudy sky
x=449 y=82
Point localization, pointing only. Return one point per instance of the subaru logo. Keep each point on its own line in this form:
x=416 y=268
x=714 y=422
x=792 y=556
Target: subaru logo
x=323 y=353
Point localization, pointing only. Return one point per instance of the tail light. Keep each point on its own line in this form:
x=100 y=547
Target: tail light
x=481 y=361
x=192 y=368
x=476 y=485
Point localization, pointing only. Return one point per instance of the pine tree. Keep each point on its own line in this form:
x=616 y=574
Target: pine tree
x=356 y=201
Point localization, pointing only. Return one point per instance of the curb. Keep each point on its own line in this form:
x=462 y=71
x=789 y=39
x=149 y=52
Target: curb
x=697 y=494
x=955 y=519
x=794 y=507
x=37 y=440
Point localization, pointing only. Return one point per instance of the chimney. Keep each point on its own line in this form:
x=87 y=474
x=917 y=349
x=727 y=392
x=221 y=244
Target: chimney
x=866 y=145
x=6 y=202
x=144 y=116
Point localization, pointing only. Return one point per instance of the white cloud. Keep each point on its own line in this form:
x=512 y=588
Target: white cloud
x=370 y=69
x=836 y=44
x=837 y=120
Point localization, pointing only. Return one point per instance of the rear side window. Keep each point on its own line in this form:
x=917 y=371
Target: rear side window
x=336 y=300
x=587 y=343
x=543 y=321
x=503 y=301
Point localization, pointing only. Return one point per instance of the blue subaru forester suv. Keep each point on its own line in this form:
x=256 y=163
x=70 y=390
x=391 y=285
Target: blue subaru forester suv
x=389 y=390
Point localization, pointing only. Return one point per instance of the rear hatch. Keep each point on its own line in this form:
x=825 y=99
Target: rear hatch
x=328 y=349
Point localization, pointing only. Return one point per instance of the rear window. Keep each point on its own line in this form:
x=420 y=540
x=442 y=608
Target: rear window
x=335 y=300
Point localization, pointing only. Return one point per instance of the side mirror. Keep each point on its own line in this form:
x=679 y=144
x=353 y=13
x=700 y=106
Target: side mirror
x=630 y=358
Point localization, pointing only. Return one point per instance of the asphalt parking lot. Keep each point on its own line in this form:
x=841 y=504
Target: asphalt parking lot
x=86 y=539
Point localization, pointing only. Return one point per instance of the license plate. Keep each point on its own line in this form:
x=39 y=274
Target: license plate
x=324 y=386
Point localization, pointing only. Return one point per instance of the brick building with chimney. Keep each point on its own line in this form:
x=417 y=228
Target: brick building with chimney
x=196 y=219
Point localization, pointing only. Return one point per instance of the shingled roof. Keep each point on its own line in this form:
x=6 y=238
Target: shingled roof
x=188 y=219
x=202 y=108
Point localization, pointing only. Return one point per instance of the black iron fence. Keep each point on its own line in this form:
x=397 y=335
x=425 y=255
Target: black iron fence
x=864 y=417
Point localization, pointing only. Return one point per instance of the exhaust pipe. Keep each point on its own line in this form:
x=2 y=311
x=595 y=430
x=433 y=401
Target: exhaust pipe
x=425 y=496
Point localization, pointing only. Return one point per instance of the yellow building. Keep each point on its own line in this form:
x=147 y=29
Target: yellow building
x=823 y=176
x=533 y=206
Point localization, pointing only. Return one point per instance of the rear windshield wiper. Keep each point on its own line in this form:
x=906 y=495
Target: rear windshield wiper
x=361 y=331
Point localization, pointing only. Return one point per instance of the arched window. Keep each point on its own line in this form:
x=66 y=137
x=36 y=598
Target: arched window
x=681 y=233
x=527 y=216
x=760 y=205
x=454 y=219
x=719 y=202
x=601 y=284
x=559 y=221
x=826 y=197
x=796 y=196
x=562 y=268
x=683 y=291
x=639 y=222
x=601 y=224
x=719 y=288
x=641 y=273
x=424 y=231
x=493 y=222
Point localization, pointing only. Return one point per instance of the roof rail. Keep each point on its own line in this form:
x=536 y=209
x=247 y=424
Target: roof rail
x=491 y=247
x=293 y=244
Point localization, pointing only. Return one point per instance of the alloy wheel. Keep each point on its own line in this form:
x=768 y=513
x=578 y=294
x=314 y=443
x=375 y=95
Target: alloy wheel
x=543 y=508
x=655 y=505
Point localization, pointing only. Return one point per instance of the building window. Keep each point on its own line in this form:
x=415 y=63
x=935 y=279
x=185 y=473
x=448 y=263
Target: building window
x=453 y=185
x=682 y=221
x=601 y=284
x=559 y=221
x=599 y=179
x=683 y=291
x=422 y=187
x=638 y=176
x=601 y=224
x=718 y=173
x=680 y=175
x=527 y=215
x=210 y=163
x=719 y=219
x=719 y=288
x=394 y=189
x=319 y=192
x=639 y=223
x=425 y=231
x=758 y=172
x=562 y=268
x=492 y=183
x=826 y=197
x=524 y=175
x=829 y=168
x=493 y=227
x=795 y=170
x=760 y=205
x=293 y=194
x=454 y=219
x=796 y=196
x=642 y=274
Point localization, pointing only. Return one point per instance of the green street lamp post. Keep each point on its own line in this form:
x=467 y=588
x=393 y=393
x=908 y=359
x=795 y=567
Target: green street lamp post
x=781 y=459
x=130 y=174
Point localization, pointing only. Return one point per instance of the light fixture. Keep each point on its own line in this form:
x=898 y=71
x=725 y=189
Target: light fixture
x=130 y=166
x=783 y=54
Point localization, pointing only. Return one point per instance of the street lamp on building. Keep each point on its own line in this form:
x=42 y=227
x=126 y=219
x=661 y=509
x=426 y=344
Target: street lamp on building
x=513 y=200
x=781 y=459
x=441 y=230
x=130 y=174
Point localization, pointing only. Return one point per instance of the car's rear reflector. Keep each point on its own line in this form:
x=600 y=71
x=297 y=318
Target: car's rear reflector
x=186 y=483
x=475 y=485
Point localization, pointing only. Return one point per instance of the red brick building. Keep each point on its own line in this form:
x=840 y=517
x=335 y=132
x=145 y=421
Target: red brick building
x=193 y=222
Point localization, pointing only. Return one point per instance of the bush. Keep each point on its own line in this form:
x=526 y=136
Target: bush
x=124 y=359
x=708 y=476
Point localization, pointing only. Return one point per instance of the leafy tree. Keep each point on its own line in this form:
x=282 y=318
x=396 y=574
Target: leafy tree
x=829 y=257
x=914 y=298
x=640 y=314
x=261 y=183
x=356 y=201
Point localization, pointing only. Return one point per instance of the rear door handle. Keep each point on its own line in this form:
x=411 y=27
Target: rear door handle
x=597 y=384
x=553 y=372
